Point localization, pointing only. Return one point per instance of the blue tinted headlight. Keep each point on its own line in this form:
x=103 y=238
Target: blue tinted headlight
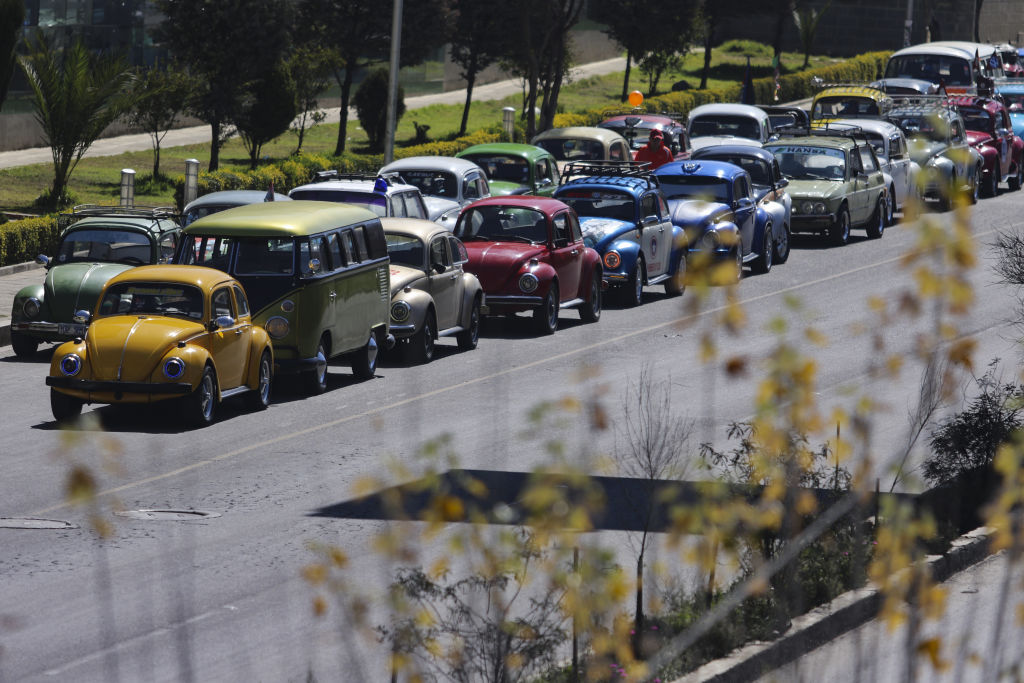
x=174 y=368
x=70 y=364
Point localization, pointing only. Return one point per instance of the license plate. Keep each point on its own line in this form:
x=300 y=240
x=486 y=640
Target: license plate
x=71 y=330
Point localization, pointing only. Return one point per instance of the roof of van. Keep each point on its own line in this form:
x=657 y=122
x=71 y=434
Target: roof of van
x=279 y=219
x=949 y=48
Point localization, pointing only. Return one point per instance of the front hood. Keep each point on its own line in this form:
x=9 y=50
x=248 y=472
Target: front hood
x=76 y=286
x=495 y=262
x=134 y=345
x=598 y=229
x=923 y=150
x=436 y=206
x=402 y=277
x=813 y=189
x=977 y=137
x=687 y=212
x=503 y=187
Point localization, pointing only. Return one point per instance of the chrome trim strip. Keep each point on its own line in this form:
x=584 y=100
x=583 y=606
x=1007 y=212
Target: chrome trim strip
x=572 y=303
x=81 y=284
x=124 y=349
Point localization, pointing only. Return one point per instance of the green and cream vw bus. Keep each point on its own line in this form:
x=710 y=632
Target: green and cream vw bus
x=317 y=277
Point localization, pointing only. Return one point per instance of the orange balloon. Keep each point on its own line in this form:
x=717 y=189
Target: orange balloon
x=636 y=98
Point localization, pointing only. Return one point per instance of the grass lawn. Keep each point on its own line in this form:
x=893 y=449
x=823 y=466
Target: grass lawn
x=96 y=180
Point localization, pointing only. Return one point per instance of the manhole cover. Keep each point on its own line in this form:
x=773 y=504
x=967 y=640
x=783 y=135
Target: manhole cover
x=31 y=523
x=167 y=515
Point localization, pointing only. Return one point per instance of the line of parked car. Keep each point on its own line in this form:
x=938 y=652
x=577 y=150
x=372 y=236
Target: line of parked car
x=243 y=287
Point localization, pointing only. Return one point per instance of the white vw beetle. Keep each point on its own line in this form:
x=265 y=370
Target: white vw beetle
x=447 y=184
x=731 y=124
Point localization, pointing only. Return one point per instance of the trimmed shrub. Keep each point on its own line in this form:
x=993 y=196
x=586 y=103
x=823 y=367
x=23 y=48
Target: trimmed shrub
x=23 y=240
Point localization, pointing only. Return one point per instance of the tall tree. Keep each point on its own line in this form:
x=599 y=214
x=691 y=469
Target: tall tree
x=477 y=41
x=12 y=17
x=227 y=46
x=160 y=96
x=359 y=35
x=371 y=102
x=627 y=23
x=310 y=68
x=806 y=19
x=267 y=112
x=75 y=95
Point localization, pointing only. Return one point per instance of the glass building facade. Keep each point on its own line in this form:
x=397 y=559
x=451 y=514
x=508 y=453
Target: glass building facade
x=114 y=26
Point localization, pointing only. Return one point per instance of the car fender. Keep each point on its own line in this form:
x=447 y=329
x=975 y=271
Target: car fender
x=990 y=157
x=762 y=219
x=728 y=234
x=195 y=357
x=591 y=267
x=544 y=273
x=260 y=342
x=471 y=289
x=419 y=301
x=628 y=250
x=1017 y=150
x=23 y=295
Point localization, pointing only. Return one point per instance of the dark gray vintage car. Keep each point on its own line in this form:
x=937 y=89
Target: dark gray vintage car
x=447 y=184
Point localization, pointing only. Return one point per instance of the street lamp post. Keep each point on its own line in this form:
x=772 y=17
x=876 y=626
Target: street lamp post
x=396 y=45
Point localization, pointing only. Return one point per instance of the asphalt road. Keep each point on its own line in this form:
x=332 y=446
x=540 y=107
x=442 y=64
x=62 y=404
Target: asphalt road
x=222 y=598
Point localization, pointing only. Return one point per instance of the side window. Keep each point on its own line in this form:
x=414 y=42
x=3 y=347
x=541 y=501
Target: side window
x=334 y=249
x=414 y=206
x=958 y=131
x=376 y=242
x=360 y=238
x=484 y=188
x=167 y=245
x=221 y=301
x=855 y=166
x=662 y=206
x=776 y=171
x=470 y=189
x=574 y=228
x=316 y=252
x=554 y=173
x=458 y=249
x=398 y=206
x=348 y=246
x=616 y=152
x=741 y=189
x=562 y=233
x=648 y=206
x=240 y=301
x=867 y=160
x=542 y=170
x=439 y=252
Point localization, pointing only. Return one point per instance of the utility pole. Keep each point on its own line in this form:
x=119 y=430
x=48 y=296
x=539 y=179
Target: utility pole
x=908 y=23
x=396 y=45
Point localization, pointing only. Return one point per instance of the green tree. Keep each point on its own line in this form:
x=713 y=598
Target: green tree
x=75 y=95
x=371 y=102
x=227 y=46
x=160 y=95
x=806 y=19
x=477 y=41
x=310 y=71
x=268 y=111
x=626 y=23
x=12 y=17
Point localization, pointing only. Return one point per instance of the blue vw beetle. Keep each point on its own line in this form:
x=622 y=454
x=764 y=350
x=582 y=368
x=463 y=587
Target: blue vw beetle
x=714 y=203
x=1013 y=95
x=626 y=219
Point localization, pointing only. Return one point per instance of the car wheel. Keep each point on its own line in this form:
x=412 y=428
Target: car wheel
x=633 y=292
x=590 y=310
x=676 y=282
x=315 y=380
x=840 y=232
x=877 y=225
x=1017 y=179
x=420 y=347
x=763 y=264
x=469 y=337
x=975 y=189
x=990 y=186
x=545 y=317
x=890 y=205
x=364 y=362
x=782 y=245
x=64 y=407
x=259 y=398
x=201 y=405
x=23 y=345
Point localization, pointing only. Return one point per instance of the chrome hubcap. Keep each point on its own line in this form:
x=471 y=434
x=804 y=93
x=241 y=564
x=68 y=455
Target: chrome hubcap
x=371 y=353
x=206 y=396
x=321 y=365
x=264 y=380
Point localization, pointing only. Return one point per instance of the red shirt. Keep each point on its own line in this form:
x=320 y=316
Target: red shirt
x=655 y=157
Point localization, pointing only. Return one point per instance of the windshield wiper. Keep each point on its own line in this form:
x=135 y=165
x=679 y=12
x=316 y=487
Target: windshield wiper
x=519 y=238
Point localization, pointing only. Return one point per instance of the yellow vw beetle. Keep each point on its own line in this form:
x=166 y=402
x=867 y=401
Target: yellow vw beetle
x=162 y=332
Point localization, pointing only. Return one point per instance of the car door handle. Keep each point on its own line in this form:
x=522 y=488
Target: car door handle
x=574 y=252
x=332 y=296
x=238 y=330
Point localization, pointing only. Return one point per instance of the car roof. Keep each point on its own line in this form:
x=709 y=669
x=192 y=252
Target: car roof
x=507 y=149
x=605 y=135
x=634 y=186
x=876 y=126
x=1014 y=88
x=748 y=151
x=139 y=224
x=367 y=186
x=831 y=141
x=729 y=108
x=704 y=168
x=200 y=276
x=419 y=227
x=233 y=198
x=986 y=103
x=280 y=219
x=454 y=165
x=543 y=204
x=948 y=48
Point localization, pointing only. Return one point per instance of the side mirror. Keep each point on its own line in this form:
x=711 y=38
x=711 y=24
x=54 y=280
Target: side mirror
x=743 y=203
x=43 y=260
x=221 y=321
x=82 y=316
x=782 y=183
x=649 y=220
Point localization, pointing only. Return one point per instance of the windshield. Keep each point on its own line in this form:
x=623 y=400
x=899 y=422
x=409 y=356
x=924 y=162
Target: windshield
x=877 y=143
x=154 y=298
x=406 y=250
x=928 y=128
x=499 y=167
x=637 y=136
x=432 y=183
x=1015 y=101
x=573 y=149
x=201 y=211
x=720 y=124
x=107 y=246
x=601 y=204
x=802 y=162
x=976 y=119
x=502 y=223
x=695 y=187
x=371 y=200
x=757 y=168
x=934 y=68
x=846 y=107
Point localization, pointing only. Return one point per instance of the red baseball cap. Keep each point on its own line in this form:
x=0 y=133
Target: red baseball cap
x=655 y=133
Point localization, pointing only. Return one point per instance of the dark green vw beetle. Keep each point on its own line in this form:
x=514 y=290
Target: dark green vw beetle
x=514 y=168
x=97 y=243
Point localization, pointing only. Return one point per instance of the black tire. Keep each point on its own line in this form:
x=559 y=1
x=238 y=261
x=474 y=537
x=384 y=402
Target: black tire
x=876 y=226
x=633 y=292
x=782 y=245
x=1017 y=179
x=23 y=345
x=364 y=361
x=545 y=316
x=590 y=310
x=738 y=254
x=64 y=407
x=470 y=337
x=419 y=349
x=200 y=406
x=890 y=206
x=259 y=398
x=975 y=190
x=766 y=255
x=315 y=381
x=990 y=186
x=839 y=234
x=676 y=282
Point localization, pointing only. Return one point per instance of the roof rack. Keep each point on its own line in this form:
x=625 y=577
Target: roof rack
x=618 y=169
x=935 y=101
x=827 y=128
x=77 y=213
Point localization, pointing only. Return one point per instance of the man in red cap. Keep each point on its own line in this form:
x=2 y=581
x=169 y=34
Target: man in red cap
x=655 y=152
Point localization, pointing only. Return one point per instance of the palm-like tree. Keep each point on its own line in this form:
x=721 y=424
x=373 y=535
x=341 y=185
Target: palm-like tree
x=75 y=95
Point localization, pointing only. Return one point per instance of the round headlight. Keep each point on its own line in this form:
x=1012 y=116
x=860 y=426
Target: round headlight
x=70 y=364
x=174 y=368
x=400 y=311
x=31 y=307
x=807 y=207
x=528 y=282
x=819 y=207
x=287 y=305
x=709 y=240
x=612 y=260
x=277 y=327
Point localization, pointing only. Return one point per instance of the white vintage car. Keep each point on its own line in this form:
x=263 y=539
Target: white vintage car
x=728 y=124
x=447 y=184
x=900 y=171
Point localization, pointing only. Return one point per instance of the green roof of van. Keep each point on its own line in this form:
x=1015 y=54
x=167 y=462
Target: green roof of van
x=275 y=219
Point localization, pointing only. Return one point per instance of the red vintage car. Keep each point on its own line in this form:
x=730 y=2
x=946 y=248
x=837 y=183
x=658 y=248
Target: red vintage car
x=990 y=131
x=637 y=127
x=529 y=255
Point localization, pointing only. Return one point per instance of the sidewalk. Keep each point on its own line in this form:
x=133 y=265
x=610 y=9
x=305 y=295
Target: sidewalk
x=12 y=279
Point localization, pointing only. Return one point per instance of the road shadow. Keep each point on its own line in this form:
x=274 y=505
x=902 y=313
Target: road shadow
x=521 y=326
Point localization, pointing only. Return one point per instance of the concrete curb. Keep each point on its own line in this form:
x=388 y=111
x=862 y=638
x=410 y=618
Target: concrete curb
x=827 y=622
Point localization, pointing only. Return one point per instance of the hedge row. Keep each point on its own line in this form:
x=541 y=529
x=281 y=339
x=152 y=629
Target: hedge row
x=23 y=240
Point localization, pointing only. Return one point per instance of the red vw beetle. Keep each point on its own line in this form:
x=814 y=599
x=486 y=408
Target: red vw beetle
x=529 y=255
x=990 y=131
